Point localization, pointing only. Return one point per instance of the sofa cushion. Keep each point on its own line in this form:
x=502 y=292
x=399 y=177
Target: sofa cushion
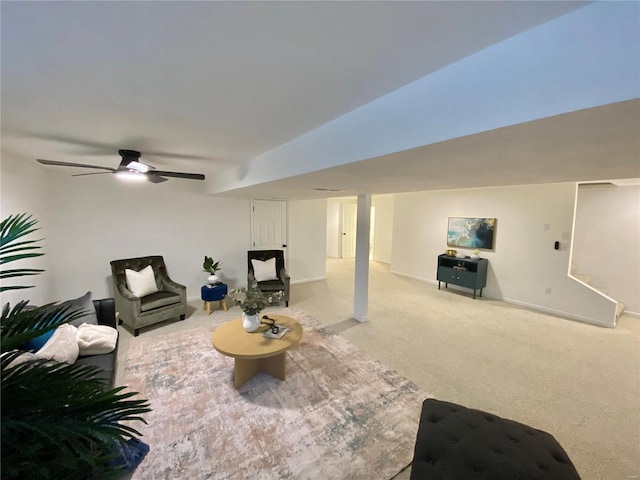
x=106 y=363
x=84 y=304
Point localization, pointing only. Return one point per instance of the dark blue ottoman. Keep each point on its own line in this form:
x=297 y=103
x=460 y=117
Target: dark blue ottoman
x=213 y=293
x=458 y=443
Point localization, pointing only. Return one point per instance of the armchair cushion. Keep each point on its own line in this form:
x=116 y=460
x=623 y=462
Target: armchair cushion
x=271 y=286
x=264 y=271
x=157 y=300
x=141 y=283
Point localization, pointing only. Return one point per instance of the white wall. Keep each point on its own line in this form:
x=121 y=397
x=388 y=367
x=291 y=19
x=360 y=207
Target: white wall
x=606 y=242
x=95 y=219
x=99 y=218
x=307 y=240
x=24 y=188
x=524 y=268
x=333 y=227
x=383 y=229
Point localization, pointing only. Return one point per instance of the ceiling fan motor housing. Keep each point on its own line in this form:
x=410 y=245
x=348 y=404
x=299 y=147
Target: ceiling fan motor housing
x=130 y=155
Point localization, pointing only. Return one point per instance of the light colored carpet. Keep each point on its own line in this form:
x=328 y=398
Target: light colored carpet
x=340 y=414
x=579 y=382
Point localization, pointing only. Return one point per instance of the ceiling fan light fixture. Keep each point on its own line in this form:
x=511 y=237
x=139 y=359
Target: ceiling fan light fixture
x=131 y=175
x=138 y=167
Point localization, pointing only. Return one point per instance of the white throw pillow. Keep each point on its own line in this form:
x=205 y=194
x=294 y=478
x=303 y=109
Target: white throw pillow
x=96 y=339
x=263 y=271
x=141 y=283
x=62 y=346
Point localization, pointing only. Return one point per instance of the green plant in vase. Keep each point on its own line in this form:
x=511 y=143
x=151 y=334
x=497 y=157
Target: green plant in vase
x=251 y=301
x=211 y=267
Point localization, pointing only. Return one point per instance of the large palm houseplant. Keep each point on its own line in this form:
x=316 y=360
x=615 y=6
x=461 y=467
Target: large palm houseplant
x=58 y=420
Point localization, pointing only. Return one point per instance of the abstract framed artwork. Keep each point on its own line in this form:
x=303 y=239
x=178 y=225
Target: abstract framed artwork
x=471 y=232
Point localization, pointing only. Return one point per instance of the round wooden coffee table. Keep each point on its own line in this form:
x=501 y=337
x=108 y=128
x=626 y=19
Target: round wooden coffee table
x=254 y=353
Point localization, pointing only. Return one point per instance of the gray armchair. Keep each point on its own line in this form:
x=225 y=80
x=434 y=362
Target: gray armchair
x=168 y=302
x=270 y=286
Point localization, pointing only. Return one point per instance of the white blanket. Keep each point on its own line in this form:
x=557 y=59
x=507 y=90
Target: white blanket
x=62 y=346
x=96 y=339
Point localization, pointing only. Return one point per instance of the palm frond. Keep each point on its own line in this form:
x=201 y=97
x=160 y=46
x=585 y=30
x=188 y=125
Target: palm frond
x=78 y=418
x=20 y=272
x=19 y=247
x=13 y=258
x=15 y=287
x=16 y=226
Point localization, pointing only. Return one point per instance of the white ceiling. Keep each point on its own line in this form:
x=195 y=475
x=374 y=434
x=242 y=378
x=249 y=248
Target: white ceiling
x=197 y=86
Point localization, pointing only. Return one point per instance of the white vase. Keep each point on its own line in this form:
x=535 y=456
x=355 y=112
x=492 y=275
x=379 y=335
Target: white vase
x=250 y=322
x=212 y=279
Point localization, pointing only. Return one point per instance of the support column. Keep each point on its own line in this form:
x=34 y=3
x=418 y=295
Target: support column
x=361 y=290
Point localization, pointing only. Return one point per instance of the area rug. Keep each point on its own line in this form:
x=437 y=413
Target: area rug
x=339 y=414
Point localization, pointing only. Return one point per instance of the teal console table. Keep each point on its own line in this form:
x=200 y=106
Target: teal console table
x=463 y=272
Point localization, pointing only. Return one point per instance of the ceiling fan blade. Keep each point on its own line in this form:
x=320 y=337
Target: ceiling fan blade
x=188 y=176
x=92 y=173
x=154 y=178
x=69 y=164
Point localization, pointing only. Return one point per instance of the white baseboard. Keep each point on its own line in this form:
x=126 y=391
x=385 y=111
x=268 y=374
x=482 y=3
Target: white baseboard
x=560 y=313
x=307 y=280
x=531 y=306
x=426 y=280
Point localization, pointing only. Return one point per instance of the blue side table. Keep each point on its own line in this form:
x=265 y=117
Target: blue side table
x=213 y=293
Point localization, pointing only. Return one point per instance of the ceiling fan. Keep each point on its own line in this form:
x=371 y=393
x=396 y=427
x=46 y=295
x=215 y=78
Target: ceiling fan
x=130 y=167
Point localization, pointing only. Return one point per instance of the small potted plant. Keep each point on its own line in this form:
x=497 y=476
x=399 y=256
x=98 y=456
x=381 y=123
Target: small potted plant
x=210 y=266
x=251 y=301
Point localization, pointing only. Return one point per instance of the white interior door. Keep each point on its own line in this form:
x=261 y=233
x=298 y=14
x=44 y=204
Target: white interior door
x=268 y=224
x=349 y=217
